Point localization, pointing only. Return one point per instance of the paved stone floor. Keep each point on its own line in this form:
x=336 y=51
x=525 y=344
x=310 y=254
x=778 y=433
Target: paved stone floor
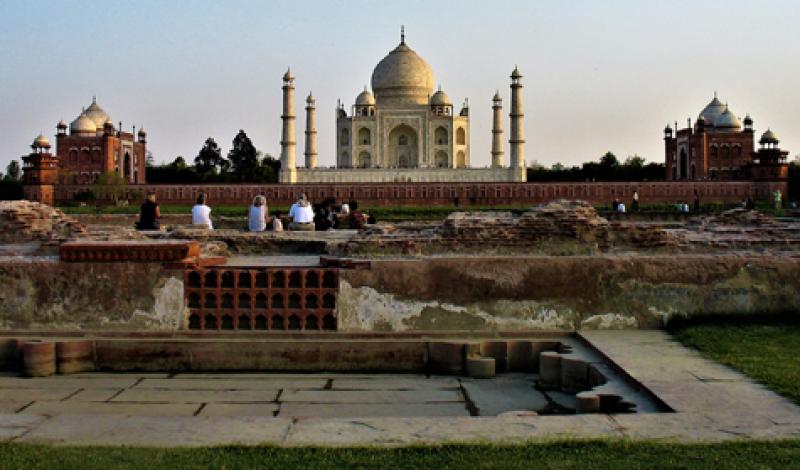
x=711 y=402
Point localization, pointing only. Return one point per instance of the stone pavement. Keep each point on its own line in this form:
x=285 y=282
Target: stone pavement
x=711 y=402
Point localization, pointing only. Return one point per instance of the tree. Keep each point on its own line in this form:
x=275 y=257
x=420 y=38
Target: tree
x=149 y=160
x=13 y=171
x=179 y=163
x=243 y=157
x=209 y=160
x=109 y=185
x=634 y=161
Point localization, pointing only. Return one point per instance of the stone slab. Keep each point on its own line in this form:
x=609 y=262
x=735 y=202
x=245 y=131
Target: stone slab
x=157 y=431
x=128 y=409
x=395 y=383
x=504 y=394
x=222 y=384
x=196 y=396
x=371 y=396
x=67 y=382
x=93 y=395
x=239 y=409
x=362 y=410
x=35 y=394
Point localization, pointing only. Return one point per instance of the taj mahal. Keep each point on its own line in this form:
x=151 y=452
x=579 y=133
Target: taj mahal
x=402 y=131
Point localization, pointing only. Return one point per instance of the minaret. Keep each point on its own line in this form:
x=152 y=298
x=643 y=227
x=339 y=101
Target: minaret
x=311 y=133
x=497 y=131
x=288 y=172
x=517 y=138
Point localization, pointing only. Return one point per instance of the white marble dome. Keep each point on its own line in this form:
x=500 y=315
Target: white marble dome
x=365 y=98
x=440 y=98
x=403 y=76
x=96 y=114
x=712 y=111
x=83 y=124
x=727 y=120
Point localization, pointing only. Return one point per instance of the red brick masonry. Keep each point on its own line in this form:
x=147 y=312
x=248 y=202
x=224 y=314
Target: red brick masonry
x=450 y=193
x=149 y=251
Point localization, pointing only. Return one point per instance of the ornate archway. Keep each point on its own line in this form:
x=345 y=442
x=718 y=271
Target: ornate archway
x=403 y=147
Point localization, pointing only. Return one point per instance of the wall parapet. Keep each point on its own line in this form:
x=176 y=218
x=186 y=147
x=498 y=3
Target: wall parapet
x=458 y=193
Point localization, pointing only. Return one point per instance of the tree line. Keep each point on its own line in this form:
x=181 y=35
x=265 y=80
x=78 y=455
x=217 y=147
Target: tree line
x=608 y=168
x=244 y=164
x=11 y=182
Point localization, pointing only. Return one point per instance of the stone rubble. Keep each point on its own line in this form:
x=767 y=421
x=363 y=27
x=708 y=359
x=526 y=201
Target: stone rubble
x=24 y=221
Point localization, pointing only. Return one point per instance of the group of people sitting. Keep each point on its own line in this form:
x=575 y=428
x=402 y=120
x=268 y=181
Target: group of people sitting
x=327 y=215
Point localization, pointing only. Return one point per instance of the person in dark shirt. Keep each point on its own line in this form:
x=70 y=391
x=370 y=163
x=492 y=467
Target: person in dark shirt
x=357 y=218
x=149 y=214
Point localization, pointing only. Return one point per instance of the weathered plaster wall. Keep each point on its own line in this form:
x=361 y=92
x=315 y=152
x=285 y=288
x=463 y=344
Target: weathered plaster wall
x=44 y=293
x=506 y=293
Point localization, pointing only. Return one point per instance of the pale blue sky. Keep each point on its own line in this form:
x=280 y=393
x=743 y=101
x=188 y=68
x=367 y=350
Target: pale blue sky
x=599 y=75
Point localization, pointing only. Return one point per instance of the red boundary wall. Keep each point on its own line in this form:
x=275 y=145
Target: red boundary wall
x=450 y=193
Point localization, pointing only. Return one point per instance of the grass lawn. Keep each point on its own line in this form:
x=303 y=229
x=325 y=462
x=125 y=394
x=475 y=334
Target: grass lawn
x=766 y=348
x=564 y=454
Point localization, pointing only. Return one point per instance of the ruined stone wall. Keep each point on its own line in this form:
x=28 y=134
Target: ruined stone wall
x=519 y=293
x=43 y=293
x=393 y=194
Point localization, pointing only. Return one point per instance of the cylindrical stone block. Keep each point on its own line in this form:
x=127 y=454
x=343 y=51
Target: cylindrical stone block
x=550 y=370
x=74 y=356
x=39 y=358
x=520 y=356
x=574 y=374
x=497 y=350
x=480 y=367
x=539 y=347
x=446 y=358
x=587 y=402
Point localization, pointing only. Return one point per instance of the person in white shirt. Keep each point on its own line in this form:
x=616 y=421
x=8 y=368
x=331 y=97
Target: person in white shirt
x=257 y=218
x=301 y=215
x=621 y=208
x=201 y=213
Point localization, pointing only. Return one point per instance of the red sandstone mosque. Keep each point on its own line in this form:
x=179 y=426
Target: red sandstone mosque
x=720 y=146
x=92 y=146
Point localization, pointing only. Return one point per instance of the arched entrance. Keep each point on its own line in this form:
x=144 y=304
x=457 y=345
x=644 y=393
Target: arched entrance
x=403 y=147
x=461 y=159
x=364 y=160
x=441 y=159
x=683 y=165
x=127 y=168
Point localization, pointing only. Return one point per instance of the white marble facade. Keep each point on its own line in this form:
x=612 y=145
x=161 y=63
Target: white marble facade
x=402 y=131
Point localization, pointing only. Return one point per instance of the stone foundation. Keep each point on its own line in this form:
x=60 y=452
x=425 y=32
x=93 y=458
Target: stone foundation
x=576 y=292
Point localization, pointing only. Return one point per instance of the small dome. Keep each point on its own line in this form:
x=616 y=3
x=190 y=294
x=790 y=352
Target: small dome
x=61 y=125
x=287 y=77
x=83 y=125
x=748 y=121
x=440 y=98
x=668 y=129
x=310 y=99
x=712 y=111
x=515 y=73
x=142 y=131
x=769 y=137
x=727 y=120
x=41 y=142
x=96 y=114
x=497 y=96
x=365 y=98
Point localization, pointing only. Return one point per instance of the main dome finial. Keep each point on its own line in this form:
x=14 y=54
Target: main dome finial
x=402 y=34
